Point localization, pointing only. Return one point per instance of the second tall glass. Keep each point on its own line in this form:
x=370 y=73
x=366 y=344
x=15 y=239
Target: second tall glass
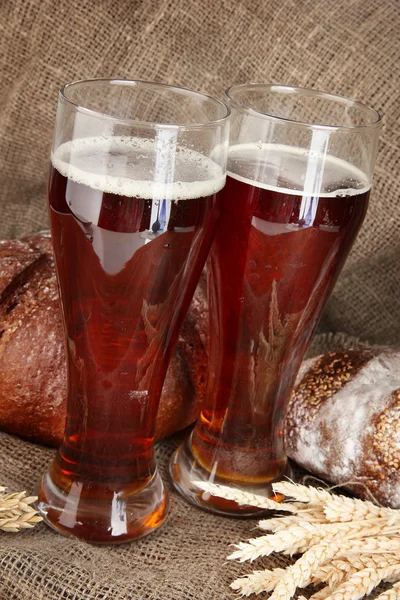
x=299 y=175
x=134 y=196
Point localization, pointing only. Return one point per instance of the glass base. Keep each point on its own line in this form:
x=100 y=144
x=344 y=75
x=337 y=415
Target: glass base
x=185 y=470
x=103 y=521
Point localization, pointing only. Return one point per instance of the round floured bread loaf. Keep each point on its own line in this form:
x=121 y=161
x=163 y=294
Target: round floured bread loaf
x=343 y=422
x=33 y=380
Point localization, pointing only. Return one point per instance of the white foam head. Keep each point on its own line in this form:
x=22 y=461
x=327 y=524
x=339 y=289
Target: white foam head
x=136 y=167
x=295 y=171
x=153 y=170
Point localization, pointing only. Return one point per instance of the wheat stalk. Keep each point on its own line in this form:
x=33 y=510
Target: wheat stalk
x=301 y=493
x=16 y=512
x=349 y=544
x=336 y=508
x=392 y=593
x=297 y=538
x=257 y=582
x=363 y=582
x=340 y=508
x=244 y=498
x=299 y=575
x=339 y=569
x=279 y=523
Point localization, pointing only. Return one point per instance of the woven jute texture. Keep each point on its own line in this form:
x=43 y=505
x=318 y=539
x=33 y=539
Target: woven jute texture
x=184 y=560
x=350 y=47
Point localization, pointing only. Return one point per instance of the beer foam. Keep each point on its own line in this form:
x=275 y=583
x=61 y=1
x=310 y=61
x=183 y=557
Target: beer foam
x=295 y=171
x=136 y=167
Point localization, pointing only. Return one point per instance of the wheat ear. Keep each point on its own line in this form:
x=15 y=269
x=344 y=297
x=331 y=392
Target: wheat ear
x=244 y=498
x=349 y=544
x=16 y=513
x=297 y=538
x=336 y=508
x=392 y=593
x=321 y=594
x=340 y=508
x=279 y=523
x=362 y=583
x=340 y=569
x=257 y=582
x=299 y=575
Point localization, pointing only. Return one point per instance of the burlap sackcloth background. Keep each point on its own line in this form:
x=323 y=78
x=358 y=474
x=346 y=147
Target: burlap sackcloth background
x=350 y=47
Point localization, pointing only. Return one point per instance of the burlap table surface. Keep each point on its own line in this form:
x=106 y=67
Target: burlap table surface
x=185 y=559
x=350 y=47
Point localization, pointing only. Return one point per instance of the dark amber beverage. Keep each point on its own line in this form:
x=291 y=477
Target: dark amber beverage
x=273 y=264
x=278 y=251
x=128 y=257
x=300 y=166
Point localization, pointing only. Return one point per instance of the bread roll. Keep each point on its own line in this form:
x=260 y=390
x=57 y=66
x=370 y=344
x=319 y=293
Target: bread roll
x=33 y=381
x=343 y=423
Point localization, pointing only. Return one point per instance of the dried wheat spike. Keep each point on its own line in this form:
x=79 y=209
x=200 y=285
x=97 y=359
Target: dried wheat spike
x=358 y=584
x=290 y=540
x=392 y=593
x=279 y=523
x=242 y=498
x=297 y=538
x=336 y=508
x=299 y=575
x=377 y=561
x=342 y=568
x=362 y=583
x=301 y=493
x=257 y=582
x=349 y=544
x=333 y=573
x=16 y=513
x=370 y=546
x=340 y=508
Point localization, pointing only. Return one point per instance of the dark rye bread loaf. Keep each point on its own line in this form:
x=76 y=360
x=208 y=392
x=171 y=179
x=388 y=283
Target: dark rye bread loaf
x=32 y=359
x=343 y=422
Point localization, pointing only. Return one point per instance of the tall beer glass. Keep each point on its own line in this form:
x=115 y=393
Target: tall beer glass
x=134 y=196
x=299 y=176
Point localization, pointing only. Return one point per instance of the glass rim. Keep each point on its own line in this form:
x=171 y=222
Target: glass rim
x=337 y=98
x=63 y=94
